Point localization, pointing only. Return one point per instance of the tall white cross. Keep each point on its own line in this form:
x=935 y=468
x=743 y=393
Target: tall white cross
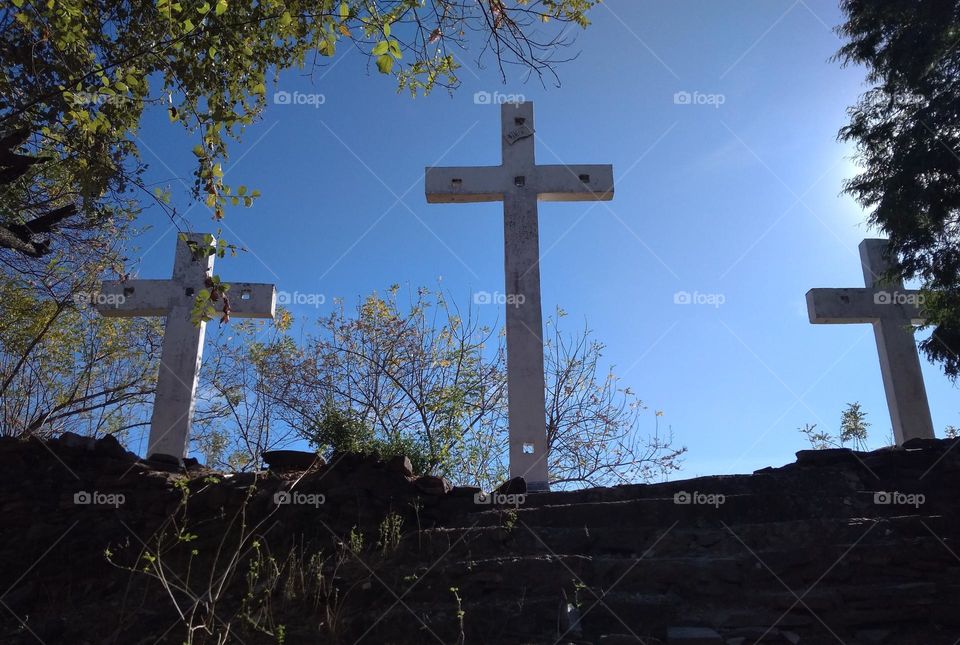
x=519 y=183
x=892 y=310
x=182 y=339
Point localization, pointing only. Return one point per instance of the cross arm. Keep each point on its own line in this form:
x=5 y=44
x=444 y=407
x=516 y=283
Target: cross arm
x=137 y=298
x=251 y=300
x=849 y=306
x=465 y=184
x=574 y=183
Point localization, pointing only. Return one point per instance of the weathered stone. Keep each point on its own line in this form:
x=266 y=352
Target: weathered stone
x=513 y=486
x=872 y=636
x=825 y=457
x=465 y=491
x=168 y=463
x=291 y=459
x=433 y=485
x=693 y=636
x=400 y=464
x=76 y=442
x=109 y=446
x=925 y=443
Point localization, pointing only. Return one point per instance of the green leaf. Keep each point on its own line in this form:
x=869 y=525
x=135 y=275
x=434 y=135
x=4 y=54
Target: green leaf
x=188 y=25
x=386 y=29
x=204 y=9
x=380 y=48
x=395 y=50
x=344 y=10
x=385 y=63
x=285 y=19
x=221 y=7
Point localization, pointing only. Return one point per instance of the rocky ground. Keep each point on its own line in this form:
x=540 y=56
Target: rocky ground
x=99 y=547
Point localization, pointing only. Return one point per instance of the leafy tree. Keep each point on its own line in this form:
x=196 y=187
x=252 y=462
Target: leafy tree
x=77 y=76
x=413 y=376
x=906 y=129
x=428 y=380
x=70 y=368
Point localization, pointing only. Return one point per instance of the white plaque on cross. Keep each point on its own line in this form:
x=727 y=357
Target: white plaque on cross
x=519 y=183
x=892 y=310
x=182 y=339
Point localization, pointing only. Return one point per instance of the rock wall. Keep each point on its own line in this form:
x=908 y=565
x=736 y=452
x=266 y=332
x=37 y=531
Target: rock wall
x=97 y=546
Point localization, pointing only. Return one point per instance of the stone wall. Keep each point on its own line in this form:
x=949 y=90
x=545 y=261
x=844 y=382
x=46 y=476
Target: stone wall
x=97 y=546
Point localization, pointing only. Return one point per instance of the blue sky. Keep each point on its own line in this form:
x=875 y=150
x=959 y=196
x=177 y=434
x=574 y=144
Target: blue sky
x=736 y=194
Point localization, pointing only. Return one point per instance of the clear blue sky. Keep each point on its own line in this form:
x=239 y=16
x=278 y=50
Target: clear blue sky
x=740 y=199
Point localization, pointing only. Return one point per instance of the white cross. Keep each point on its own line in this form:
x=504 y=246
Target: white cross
x=182 y=340
x=892 y=310
x=519 y=183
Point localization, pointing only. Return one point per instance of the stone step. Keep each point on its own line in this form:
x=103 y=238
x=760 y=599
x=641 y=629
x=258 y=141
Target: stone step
x=520 y=616
x=717 y=540
x=693 y=577
x=709 y=508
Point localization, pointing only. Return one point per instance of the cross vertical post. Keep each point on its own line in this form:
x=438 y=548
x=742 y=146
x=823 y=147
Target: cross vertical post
x=520 y=183
x=892 y=310
x=182 y=348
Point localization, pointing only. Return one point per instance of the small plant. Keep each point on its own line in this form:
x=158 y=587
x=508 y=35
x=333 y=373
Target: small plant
x=460 y=614
x=509 y=518
x=853 y=426
x=578 y=586
x=417 y=505
x=355 y=540
x=853 y=429
x=390 y=530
